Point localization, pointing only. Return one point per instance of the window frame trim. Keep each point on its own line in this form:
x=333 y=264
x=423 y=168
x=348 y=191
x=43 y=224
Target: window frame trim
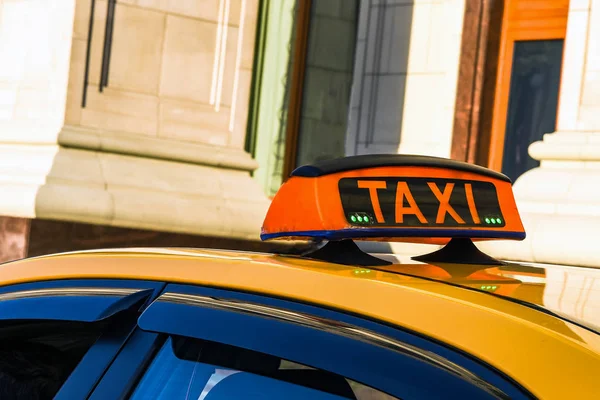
x=117 y=294
x=95 y=362
x=129 y=366
x=98 y=358
x=500 y=380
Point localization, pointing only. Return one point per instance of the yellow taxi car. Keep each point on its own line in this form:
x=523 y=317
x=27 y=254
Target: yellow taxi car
x=332 y=323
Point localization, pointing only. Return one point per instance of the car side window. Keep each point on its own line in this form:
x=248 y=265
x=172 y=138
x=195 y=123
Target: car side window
x=57 y=338
x=211 y=329
x=36 y=357
x=187 y=368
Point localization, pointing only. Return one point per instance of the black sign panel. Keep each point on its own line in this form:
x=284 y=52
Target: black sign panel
x=420 y=202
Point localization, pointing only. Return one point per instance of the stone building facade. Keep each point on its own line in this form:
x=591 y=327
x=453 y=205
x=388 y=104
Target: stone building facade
x=511 y=85
x=123 y=122
x=172 y=122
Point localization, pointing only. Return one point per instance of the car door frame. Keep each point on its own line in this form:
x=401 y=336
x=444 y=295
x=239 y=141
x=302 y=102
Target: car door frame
x=419 y=346
x=86 y=301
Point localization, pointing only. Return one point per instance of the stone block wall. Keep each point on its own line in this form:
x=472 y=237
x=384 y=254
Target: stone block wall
x=405 y=77
x=36 y=46
x=179 y=70
x=328 y=80
x=161 y=147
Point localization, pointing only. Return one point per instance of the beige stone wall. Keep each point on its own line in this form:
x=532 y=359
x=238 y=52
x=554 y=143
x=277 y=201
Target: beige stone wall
x=559 y=201
x=180 y=70
x=35 y=47
x=407 y=81
x=432 y=78
x=161 y=147
x=580 y=85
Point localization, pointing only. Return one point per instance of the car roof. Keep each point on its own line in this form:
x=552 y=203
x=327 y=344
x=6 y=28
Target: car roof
x=570 y=292
x=543 y=352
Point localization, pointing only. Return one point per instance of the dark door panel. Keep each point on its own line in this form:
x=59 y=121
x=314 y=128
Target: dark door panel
x=533 y=101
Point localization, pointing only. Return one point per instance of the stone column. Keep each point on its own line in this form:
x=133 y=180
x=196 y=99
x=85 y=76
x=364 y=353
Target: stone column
x=161 y=147
x=560 y=201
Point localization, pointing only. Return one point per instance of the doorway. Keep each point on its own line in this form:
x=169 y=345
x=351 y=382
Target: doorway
x=528 y=81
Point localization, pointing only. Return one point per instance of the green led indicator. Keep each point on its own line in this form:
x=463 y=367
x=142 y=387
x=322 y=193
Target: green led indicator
x=489 y=287
x=498 y=220
x=360 y=218
x=487 y=220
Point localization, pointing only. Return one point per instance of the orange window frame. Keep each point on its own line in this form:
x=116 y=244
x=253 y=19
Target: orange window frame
x=522 y=20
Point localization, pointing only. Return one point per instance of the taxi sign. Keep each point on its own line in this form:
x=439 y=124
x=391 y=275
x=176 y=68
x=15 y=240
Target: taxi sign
x=394 y=198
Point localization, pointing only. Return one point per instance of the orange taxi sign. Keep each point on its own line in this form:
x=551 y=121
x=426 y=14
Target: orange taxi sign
x=394 y=198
